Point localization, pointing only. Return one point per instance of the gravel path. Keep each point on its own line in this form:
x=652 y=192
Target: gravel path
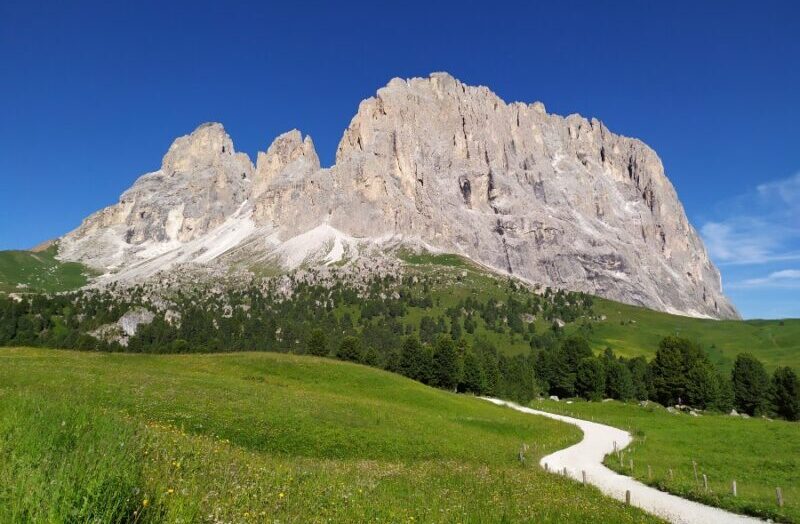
x=588 y=454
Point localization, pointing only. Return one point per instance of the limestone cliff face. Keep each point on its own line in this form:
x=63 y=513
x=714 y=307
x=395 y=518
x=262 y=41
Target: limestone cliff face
x=202 y=182
x=560 y=201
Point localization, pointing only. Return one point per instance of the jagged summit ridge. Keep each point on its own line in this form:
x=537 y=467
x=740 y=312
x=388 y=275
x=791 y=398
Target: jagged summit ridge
x=557 y=200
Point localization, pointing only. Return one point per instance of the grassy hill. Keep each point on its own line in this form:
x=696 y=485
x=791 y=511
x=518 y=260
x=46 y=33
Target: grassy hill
x=633 y=331
x=759 y=454
x=29 y=271
x=254 y=437
x=629 y=330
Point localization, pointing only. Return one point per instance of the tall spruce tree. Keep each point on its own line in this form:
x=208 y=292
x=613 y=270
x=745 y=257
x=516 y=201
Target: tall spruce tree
x=564 y=366
x=590 y=379
x=675 y=358
x=445 y=363
x=702 y=389
x=750 y=385
x=785 y=394
x=474 y=379
x=641 y=378
x=619 y=383
x=724 y=401
x=412 y=359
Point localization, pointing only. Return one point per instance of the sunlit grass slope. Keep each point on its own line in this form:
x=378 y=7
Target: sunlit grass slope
x=629 y=330
x=28 y=271
x=633 y=331
x=759 y=454
x=266 y=437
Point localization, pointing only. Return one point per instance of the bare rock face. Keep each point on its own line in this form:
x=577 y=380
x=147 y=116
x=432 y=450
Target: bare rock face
x=433 y=162
x=556 y=200
x=290 y=156
x=123 y=329
x=202 y=181
x=281 y=172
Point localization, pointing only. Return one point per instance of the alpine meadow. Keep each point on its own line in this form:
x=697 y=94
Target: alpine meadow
x=407 y=280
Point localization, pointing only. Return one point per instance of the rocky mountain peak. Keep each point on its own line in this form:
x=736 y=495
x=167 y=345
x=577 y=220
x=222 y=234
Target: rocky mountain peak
x=288 y=158
x=203 y=147
x=560 y=201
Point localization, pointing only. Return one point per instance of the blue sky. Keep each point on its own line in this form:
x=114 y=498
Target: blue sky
x=93 y=93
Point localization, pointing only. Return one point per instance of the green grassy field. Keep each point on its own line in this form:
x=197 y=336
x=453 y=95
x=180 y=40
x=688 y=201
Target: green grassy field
x=774 y=342
x=266 y=437
x=28 y=271
x=759 y=454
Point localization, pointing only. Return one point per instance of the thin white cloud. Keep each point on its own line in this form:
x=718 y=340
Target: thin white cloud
x=761 y=227
x=786 y=191
x=785 y=278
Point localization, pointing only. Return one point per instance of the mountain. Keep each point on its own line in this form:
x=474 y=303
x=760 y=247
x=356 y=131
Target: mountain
x=429 y=163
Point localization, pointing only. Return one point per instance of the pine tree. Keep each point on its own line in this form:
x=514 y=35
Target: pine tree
x=641 y=378
x=725 y=394
x=564 y=367
x=350 y=349
x=445 y=363
x=702 y=390
x=427 y=330
x=469 y=324
x=474 y=379
x=675 y=359
x=371 y=356
x=488 y=357
x=543 y=363
x=590 y=379
x=574 y=349
x=785 y=394
x=750 y=385
x=455 y=327
x=318 y=344
x=619 y=383
x=412 y=359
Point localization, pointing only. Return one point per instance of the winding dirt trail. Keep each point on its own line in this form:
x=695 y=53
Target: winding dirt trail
x=588 y=454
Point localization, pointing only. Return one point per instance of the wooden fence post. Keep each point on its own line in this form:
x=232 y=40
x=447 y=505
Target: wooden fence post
x=779 y=495
x=583 y=473
x=628 y=497
x=705 y=482
x=733 y=488
x=649 y=472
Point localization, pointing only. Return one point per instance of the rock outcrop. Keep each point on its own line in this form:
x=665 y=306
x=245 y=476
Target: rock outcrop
x=430 y=162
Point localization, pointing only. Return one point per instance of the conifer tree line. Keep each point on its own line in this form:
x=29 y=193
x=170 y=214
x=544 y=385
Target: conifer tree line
x=398 y=325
